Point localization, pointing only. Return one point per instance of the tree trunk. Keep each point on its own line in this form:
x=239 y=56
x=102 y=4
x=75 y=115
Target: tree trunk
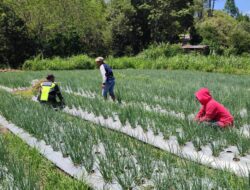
x=210 y=14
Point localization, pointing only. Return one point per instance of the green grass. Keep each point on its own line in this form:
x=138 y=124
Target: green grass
x=164 y=56
x=46 y=175
x=57 y=63
x=220 y=64
x=119 y=148
x=137 y=87
x=174 y=91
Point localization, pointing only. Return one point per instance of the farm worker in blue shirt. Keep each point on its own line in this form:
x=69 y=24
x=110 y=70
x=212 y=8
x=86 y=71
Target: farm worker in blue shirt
x=49 y=90
x=108 y=80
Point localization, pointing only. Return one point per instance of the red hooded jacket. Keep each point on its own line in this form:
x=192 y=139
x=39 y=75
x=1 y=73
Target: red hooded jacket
x=212 y=110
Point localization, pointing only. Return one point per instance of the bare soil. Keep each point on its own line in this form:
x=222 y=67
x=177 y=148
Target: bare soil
x=3 y=130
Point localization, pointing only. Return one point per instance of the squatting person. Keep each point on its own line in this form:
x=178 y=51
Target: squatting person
x=49 y=91
x=212 y=112
x=108 y=79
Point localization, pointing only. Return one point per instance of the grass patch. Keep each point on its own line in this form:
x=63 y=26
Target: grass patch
x=49 y=177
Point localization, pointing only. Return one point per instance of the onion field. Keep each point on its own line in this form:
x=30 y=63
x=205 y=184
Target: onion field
x=146 y=140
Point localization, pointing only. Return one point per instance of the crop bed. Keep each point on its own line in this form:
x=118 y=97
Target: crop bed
x=156 y=107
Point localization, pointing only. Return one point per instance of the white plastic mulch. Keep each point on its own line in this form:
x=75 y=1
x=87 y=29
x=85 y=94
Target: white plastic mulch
x=225 y=160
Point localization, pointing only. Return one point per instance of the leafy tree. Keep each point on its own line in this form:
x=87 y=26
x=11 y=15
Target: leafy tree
x=16 y=44
x=137 y=23
x=202 y=6
x=123 y=33
x=215 y=30
x=65 y=27
x=243 y=17
x=240 y=37
x=199 y=8
x=169 y=18
x=231 y=8
x=211 y=7
x=225 y=34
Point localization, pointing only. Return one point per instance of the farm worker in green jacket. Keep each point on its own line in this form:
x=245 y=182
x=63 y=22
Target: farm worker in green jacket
x=49 y=90
x=108 y=79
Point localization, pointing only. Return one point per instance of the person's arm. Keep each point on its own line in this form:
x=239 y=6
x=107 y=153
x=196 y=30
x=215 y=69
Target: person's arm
x=200 y=114
x=103 y=73
x=210 y=113
x=58 y=93
x=39 y=94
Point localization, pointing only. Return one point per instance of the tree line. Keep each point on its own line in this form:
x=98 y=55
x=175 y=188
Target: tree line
x=99 y=27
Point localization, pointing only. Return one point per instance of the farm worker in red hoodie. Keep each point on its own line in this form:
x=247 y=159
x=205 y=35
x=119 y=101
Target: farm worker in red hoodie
x=211 y=111
x=108 y=79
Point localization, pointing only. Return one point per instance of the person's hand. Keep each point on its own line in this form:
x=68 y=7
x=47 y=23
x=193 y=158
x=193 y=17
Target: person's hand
x=206 y=122
x=196 y=119
x=103 y=86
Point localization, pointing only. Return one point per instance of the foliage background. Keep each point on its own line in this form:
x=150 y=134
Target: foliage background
x=52 y=28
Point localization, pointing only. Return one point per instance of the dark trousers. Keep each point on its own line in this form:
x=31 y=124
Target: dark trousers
x=53 y=103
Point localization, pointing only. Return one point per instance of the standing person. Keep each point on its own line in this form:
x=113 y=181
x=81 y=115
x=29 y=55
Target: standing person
x=108 y=79
x=49 y=90
x=211 y=111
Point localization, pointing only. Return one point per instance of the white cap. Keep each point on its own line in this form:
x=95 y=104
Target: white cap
x=99 y=59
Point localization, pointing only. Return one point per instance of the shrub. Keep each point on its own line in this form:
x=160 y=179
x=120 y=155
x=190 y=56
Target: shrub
x=57 y=63
x=154 y=51
x=232 y=64
x=240 y=39
x=129 y=62
x=212 y=63
x=215 y=30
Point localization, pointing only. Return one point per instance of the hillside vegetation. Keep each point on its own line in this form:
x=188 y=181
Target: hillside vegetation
x=164 y=56
x=50 y=28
